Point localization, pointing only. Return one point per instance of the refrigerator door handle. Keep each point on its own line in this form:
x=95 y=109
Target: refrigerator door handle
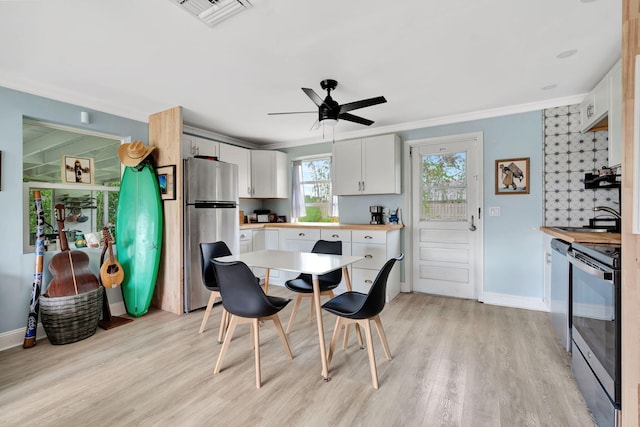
x=214 y=205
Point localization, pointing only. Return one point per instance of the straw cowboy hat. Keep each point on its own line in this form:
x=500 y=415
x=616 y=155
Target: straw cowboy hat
x=133 y=154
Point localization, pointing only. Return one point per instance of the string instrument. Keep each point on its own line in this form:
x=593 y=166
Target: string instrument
x=34 y=304
x=70 y=269
x=111 y=272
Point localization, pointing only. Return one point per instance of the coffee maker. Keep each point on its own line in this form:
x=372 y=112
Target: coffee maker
x=376 y=214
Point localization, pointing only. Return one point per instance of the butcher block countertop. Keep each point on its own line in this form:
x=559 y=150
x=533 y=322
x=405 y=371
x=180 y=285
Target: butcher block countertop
x=584 y=237
x=322 y=225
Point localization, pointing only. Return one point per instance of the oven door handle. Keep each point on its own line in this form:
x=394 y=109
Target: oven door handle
x=588 y=269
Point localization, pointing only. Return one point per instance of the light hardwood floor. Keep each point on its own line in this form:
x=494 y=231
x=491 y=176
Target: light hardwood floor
x=456 y=363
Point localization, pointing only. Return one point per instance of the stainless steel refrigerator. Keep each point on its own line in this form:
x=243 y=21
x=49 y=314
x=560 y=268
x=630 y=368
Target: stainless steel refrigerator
x=210 y=215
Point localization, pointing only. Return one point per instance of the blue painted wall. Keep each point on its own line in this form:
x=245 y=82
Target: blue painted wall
x=16 y=268
x=513 y=254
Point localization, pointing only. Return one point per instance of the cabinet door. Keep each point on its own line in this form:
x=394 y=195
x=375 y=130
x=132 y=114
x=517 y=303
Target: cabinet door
x=615 y=116
x=241 y=157
x=297 y=240
x=381 y=165
x=196 y=146
x=347 y=168
x=268 y=174
x=246 y=241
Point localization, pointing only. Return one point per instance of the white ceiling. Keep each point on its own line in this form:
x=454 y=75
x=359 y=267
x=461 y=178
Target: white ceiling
x=434 y=60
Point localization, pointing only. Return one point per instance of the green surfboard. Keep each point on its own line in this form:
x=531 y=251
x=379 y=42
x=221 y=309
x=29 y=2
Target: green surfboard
x=139 y=236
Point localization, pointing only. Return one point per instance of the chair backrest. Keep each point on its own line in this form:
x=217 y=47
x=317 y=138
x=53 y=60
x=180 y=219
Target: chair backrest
x=241 y=293
x=326 y=247
x=377 y=296
x=207 y=252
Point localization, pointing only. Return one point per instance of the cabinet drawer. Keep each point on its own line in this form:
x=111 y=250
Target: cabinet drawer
x=362 y=279
x=369 y=236
x=333 y=235
x=374 y=255
x=300 y=234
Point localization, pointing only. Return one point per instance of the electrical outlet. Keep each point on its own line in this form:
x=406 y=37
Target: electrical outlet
x=494 y=211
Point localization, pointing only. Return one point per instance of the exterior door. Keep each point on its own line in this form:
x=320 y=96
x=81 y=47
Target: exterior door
x=446 y=216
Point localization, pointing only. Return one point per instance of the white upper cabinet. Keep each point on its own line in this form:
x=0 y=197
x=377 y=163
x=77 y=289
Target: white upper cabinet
x=196 y=146
x=602 y=109
x=241 y=157
x=367 y=166
x=595 y=106
x=615 y=116
x=269 y=174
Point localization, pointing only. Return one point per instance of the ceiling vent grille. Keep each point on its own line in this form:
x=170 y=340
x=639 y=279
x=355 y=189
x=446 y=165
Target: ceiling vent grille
x=212 y=12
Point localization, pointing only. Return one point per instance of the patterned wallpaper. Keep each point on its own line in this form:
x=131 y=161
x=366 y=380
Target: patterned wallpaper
x=568 y=155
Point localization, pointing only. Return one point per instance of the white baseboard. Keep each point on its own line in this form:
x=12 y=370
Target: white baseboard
x=15 y=337
x=505 y=300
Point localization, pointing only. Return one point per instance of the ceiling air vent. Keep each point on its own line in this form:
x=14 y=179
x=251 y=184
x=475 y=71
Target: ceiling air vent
x=213 y=11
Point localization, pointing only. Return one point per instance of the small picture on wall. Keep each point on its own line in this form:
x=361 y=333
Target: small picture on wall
x=77 y=170
x=166 y=181
x=512 y=176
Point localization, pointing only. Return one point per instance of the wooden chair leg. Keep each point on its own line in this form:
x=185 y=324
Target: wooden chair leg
x=345 y=338
x=283 y=337
x=372 y=357
x=334 y=337
x=225 y=345
x=255 y=327
x=296 y=305
x=383 y=337
x=224 y=324
x=207 y=312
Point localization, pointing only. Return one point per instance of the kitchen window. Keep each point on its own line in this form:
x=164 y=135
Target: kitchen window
x=312 y=197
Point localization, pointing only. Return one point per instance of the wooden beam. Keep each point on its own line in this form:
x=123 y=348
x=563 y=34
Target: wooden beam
x=165 y=131
x=630 y=242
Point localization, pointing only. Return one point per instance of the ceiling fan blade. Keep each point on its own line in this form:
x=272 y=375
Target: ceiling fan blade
x=314 y=96
x=293 y=112
x=315 y=126
x=362 y=103
x=356 y=119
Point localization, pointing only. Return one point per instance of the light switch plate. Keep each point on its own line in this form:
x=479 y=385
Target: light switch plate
x=494 y=211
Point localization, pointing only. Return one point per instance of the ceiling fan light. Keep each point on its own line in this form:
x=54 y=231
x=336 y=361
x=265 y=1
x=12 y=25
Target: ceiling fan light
x=329 y=122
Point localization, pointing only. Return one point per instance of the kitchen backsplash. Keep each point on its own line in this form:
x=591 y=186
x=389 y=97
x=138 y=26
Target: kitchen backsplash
x=568 y=155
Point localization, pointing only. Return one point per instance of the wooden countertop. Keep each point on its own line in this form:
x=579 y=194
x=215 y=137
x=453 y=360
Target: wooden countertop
x=584 y=237
x=323 y=225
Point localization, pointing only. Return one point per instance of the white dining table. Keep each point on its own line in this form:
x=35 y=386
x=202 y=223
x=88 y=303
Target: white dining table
x=301 y=262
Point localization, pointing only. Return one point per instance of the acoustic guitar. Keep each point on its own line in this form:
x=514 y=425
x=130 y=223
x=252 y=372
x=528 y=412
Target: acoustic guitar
x=70 y=269
x=111 y=272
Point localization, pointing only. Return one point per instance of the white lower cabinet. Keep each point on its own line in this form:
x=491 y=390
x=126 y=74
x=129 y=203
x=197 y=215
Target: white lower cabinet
x=376 y=246
x=296 y=240
x=345 y=237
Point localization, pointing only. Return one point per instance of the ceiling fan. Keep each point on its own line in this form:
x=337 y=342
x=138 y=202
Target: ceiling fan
x=329 y=111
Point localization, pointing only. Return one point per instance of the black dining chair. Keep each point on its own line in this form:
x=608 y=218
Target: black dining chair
x=359 y=308
x=303 y=286
x=245 y=300
x=207 y=252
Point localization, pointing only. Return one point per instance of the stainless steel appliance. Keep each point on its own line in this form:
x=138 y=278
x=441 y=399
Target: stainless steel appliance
x=595 y=362
x=376 y=214
x=560 y=292
x=210 y=215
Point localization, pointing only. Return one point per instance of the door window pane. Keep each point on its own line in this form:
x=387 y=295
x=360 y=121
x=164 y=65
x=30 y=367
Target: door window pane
x=444 y=187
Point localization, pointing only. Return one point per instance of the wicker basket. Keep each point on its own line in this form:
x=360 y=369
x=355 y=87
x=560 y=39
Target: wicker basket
x=73 y=318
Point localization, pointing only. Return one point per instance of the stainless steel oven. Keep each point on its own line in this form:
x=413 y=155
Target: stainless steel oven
x=595 y=277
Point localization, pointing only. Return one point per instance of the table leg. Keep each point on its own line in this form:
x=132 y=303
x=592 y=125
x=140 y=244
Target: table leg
x=266 y=281
x=316 y=302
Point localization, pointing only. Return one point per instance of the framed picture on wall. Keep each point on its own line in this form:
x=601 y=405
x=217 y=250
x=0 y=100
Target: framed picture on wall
x=77 y=170
x=512 y=176
x=167 y=181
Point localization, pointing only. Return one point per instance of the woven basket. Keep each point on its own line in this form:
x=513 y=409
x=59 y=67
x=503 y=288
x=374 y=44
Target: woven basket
x=73 y=318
